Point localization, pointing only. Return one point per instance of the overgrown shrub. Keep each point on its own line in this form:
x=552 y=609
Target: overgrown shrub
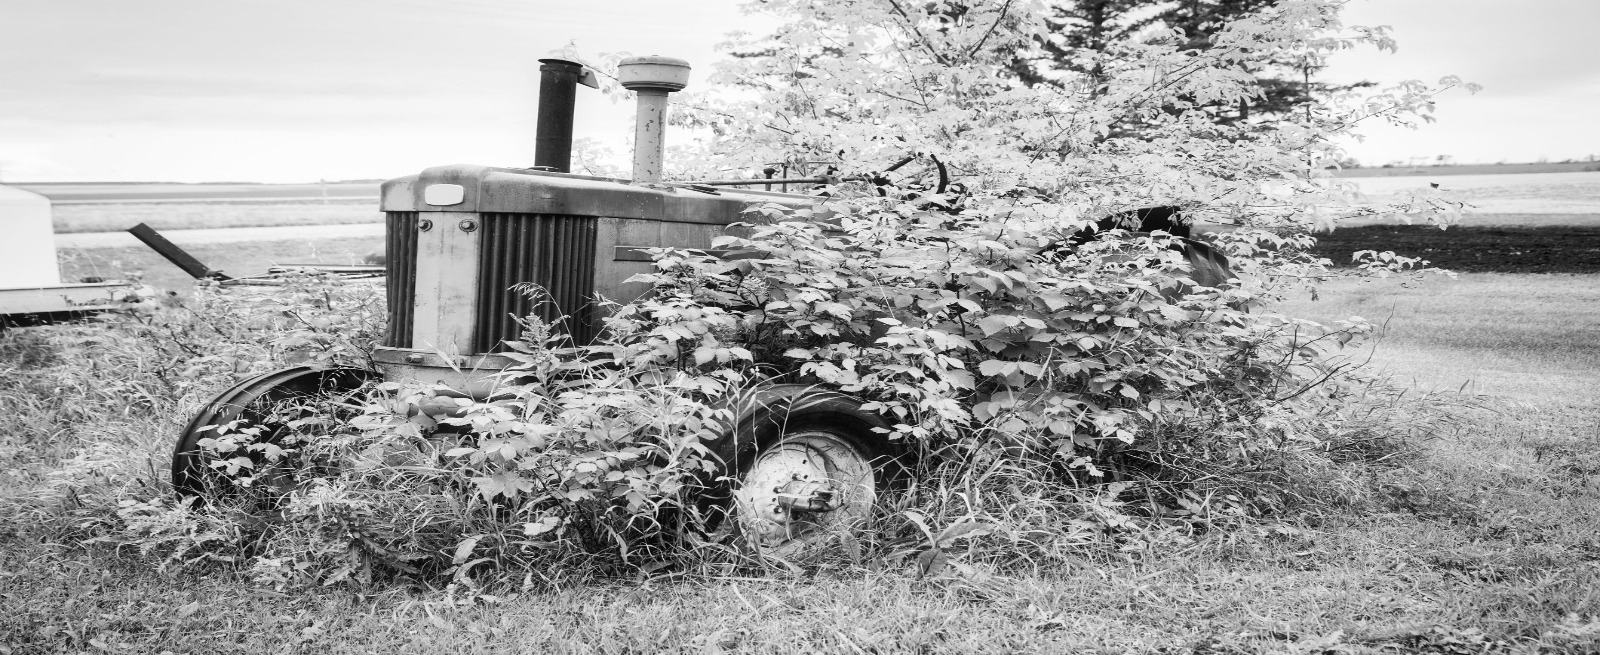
x=1058 y=374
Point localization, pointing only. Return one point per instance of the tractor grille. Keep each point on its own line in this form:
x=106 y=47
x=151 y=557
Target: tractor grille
x=553 y=251
x=401 y=273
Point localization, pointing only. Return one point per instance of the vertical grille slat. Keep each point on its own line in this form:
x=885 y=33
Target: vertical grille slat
x=528 y=247
x=496 y=237
x=553 y=251
x=560 y=283
x=400 y=271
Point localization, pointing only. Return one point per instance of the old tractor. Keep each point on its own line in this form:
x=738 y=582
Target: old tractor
x=461 y=239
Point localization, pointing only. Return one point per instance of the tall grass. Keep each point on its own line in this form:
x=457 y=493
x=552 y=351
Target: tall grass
x=1100 y=412
x=1427 y=524
x=90 y=410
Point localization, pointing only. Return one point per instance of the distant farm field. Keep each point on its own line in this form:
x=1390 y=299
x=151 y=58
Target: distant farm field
x=236 y=259
x=1535 y=193
x=73 y=192
x=110 y=207
x=1470 y=169
x=1553 y=194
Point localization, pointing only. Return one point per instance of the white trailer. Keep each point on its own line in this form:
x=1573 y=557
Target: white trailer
x=31 y=291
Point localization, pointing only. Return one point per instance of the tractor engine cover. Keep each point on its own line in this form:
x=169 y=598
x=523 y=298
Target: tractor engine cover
x=463 y=239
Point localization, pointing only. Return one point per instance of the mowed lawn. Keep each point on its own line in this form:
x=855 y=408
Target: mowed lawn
x=1528 y=338
x=1489 y=542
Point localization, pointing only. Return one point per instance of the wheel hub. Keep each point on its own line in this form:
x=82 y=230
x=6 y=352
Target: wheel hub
x=807 y=486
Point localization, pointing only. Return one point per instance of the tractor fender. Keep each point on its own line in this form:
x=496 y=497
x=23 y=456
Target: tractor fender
x=245 y=401
x=763 y=417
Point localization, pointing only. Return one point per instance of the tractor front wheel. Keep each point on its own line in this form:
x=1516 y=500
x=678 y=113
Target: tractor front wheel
x=812 y=483
x=260 y=406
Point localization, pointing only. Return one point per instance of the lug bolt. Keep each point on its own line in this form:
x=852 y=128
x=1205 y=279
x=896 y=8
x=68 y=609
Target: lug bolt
x=468 y=225
x=424 y=225
x=414 y=358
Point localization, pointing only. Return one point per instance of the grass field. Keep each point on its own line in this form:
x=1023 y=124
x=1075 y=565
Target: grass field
x=1521 y=337
x=113 y=217
x=1489 y=542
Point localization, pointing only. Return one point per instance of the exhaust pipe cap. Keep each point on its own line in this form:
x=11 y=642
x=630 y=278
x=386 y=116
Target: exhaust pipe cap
x=653 y=72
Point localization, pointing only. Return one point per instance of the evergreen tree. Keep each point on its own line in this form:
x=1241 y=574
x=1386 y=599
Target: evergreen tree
x=1082 y=33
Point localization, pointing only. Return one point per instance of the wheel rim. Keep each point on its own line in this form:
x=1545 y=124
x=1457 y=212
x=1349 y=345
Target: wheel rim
x=266 y=402
x=820 y=461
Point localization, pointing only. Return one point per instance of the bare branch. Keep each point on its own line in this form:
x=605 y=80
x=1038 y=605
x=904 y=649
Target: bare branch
x=1003 y=9
x=913 y=26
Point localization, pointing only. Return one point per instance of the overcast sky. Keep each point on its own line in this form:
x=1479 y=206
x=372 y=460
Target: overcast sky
x=1536 y=60
x=300 y=90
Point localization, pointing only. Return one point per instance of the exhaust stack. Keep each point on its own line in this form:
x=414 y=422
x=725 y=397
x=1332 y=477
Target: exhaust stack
x=652 y=78
x=558 y=86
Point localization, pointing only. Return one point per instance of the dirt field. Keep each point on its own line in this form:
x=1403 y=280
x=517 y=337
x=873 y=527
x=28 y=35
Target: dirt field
x=1495 y=249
